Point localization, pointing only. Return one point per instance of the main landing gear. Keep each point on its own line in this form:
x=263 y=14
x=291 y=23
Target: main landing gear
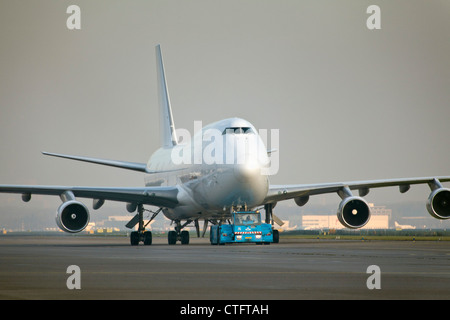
x=141 y=235
x=178 y=235
x=183 y=236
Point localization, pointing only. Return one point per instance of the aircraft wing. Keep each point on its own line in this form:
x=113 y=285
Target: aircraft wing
x=353 y=211
x=142 y=167
x=284 y=192
x=157 y=196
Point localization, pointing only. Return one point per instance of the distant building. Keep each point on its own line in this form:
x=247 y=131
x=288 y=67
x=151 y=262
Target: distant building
x=114 y=222
x=119 y=222
x=287 y=226
x=379 y=219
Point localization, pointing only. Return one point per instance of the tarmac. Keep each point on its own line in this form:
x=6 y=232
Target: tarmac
x=36 y=267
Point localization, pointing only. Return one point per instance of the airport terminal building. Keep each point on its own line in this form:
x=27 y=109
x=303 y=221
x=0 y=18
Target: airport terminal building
x=380 y=218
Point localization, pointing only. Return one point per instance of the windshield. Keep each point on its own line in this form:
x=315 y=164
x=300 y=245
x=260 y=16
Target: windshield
x=247 y=218
x=238 y=130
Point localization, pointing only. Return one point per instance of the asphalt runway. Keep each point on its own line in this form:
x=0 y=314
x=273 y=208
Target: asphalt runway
x=35 y=267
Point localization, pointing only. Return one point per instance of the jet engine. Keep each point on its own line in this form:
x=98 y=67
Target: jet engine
x=438 y=204
x=72 y=216
x=353 y=212
x=301 y=201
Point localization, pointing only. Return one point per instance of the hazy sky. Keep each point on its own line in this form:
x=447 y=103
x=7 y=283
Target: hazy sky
x=350 y=103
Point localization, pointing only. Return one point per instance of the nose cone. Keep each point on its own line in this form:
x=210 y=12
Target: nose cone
x=246 y=172
x=250 y=186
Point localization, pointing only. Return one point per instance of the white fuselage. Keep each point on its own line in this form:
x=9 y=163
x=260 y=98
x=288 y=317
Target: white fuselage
x=221 y=167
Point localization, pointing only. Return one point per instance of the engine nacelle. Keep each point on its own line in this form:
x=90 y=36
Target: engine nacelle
x=301 y=201
x=72 y=216
x=438 y=204
x=353 y=212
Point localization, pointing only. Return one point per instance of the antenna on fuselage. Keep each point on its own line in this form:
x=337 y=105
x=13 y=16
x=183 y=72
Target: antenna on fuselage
x=168 y=137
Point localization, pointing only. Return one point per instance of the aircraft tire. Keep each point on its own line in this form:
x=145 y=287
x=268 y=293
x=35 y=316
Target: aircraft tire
x=134 y=238
x=184 y=237
x=276 y=236
x=211 y=237
x=172 y=237
x=147 y=238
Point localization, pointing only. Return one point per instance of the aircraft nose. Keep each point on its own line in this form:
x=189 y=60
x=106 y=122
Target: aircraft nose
x=246 y=172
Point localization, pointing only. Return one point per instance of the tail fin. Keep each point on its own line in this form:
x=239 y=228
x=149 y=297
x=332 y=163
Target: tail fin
x=167 y=127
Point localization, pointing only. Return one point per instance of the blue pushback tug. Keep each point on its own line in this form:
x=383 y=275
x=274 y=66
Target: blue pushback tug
x=245 y=227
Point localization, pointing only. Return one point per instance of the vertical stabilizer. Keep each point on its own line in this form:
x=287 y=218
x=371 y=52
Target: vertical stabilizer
x=167 y=127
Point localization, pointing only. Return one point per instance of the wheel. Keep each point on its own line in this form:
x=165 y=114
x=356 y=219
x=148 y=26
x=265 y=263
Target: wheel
x=184 y=237
x=211 y=236
x=276 y=236
x=172 y=237
x=147 y=238
x=134 y=238
x=219 y=231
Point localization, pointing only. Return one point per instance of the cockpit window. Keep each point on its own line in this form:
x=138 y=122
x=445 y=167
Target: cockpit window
x=238 y=130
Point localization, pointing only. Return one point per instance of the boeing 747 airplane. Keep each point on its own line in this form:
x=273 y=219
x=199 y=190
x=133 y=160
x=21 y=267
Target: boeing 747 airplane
x=195 y=181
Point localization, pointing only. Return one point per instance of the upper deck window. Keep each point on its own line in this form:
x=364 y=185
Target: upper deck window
x=238 y=130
